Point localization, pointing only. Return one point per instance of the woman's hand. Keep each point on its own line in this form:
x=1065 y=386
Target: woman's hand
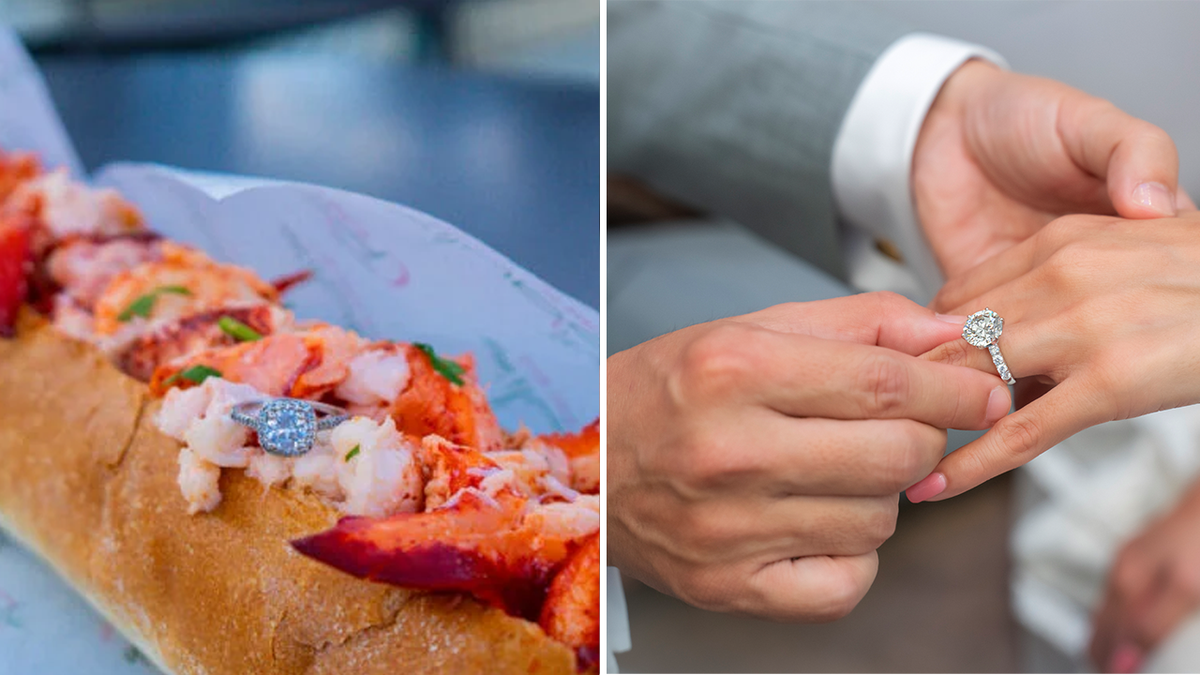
x=1001 y=154
x=1153 y=586
x=754 y=463
x=1103 y=313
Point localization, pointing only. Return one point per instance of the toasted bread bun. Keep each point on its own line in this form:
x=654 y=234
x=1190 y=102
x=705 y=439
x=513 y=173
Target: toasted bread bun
x=89 y=484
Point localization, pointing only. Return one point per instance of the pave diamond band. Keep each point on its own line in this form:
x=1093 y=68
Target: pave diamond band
x=982 y=330
x=1001 y=366
x=287 y=426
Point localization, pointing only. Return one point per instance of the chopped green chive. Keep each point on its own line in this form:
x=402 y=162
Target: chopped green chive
x=140 y=307
x=353 y=451
x=196 y=375
x=448 y=369
x=237 y=330
x=143 y=305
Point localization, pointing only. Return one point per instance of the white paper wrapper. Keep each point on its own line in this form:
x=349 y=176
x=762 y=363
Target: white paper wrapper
x=382 y=269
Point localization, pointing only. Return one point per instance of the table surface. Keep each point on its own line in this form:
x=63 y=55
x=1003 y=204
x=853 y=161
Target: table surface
x=513 y=161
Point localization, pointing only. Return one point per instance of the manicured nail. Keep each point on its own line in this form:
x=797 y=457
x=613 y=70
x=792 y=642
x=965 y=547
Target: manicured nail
x=1156 y=197
x=952 y=318
x=928 y=487
x=1126 y=659
x=999 y=403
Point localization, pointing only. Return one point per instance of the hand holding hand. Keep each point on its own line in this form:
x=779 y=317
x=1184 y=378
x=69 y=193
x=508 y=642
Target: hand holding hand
x=1153 y=586
x=1106 y=311
x=754 y=463
x=1000 y=155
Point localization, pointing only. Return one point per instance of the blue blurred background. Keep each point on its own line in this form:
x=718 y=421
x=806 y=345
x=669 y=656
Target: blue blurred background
x=484 y=113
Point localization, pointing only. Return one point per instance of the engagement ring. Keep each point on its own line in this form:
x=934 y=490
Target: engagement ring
x=982 y=330
x=287 y=426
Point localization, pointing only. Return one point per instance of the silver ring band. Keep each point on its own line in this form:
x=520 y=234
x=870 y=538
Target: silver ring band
x=1001 y=366
x=333 y=414
x=287 y=426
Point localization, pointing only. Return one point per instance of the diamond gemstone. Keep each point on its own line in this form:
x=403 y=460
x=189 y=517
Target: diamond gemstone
x=983 y=328
x=287 y=427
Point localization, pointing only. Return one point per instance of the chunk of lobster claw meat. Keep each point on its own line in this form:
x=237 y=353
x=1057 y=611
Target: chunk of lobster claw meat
x=571 y=614
x=16 y=263
x=476 y=544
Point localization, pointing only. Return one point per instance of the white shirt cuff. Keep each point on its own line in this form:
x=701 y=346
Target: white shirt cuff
x=618 y=619
x=872 y=155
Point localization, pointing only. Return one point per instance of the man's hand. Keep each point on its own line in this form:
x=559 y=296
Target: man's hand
x=1000 y=155
x=1153 y=586
x=754 y=463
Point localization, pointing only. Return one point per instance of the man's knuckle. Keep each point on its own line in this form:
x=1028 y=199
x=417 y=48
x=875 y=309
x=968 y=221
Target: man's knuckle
x=698 y=587
x=886 y=384
x=698 y=535
x=717 y=361
x=706 y=462
x=896 y=464
x=890 y=301
x=882 y=526
x=840 y=596
x=900 y=469
x=1150 y=132
x=954 y=353
x=917 y=457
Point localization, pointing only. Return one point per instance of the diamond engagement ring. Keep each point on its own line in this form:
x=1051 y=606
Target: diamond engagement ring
x=982 y=329
x=287 y=426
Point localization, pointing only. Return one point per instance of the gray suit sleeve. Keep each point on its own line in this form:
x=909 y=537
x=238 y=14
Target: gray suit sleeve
x=733 y=107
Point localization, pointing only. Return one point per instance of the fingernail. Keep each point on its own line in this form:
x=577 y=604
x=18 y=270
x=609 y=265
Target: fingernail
x=1156 y=197
x=952 y=318
x=999 y=403
x=1126 y=659
x=928 y=487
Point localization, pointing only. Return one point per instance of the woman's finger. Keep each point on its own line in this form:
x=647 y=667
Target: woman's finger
x=1029 y=349
x=1072 y=406
x=975 y=287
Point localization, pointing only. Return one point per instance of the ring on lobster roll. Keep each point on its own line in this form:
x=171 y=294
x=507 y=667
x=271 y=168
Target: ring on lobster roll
x=242 y=491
